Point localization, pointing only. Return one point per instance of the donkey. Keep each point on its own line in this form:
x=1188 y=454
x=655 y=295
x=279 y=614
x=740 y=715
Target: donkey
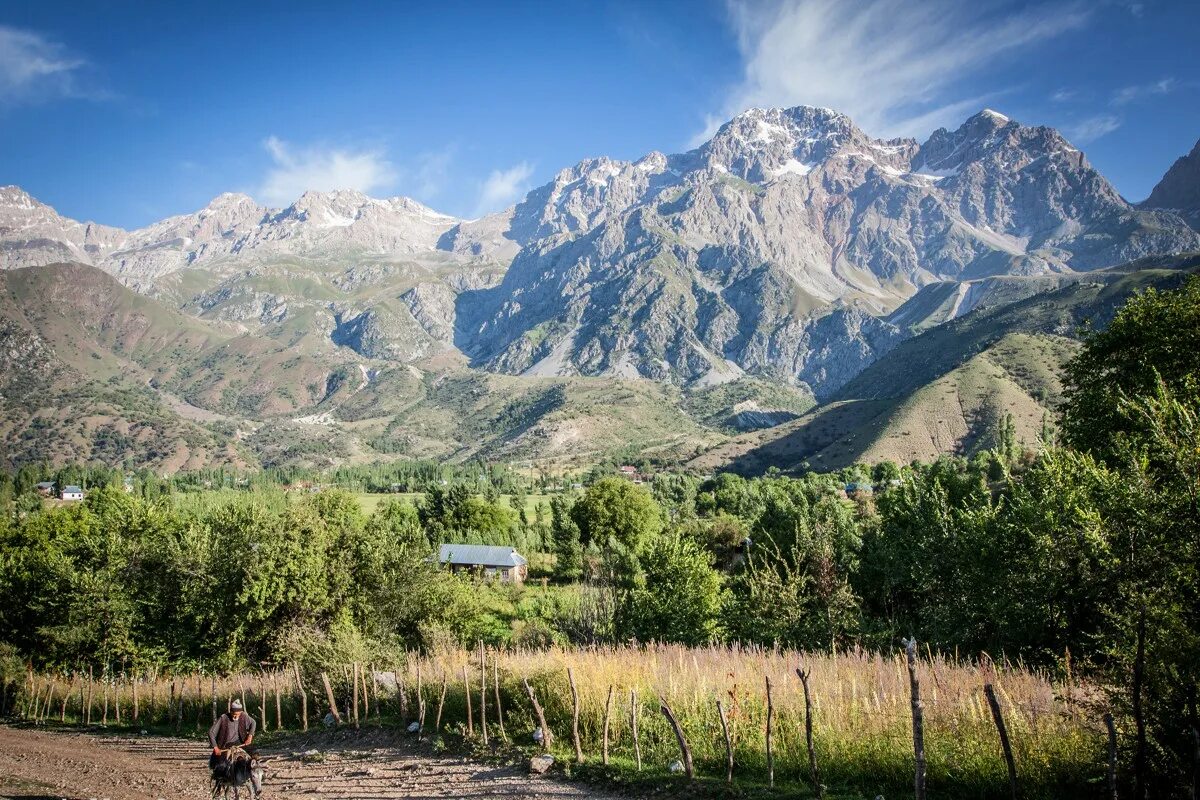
x=238 y=769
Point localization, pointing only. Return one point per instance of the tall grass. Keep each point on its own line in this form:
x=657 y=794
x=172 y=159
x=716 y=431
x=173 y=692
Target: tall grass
x=861 y=715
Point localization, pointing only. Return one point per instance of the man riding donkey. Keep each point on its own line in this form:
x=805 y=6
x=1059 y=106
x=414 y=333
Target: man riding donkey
x=232 y=760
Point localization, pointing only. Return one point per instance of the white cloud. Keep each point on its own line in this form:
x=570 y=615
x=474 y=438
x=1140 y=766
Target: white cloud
x=1064 y=95
x=1130 y=93
x=503 y=187
x=1092 y=128
x=321 y=169
x=35 y=69
x=889 y=64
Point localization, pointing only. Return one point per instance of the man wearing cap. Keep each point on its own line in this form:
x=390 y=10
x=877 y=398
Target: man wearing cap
x=235 y=728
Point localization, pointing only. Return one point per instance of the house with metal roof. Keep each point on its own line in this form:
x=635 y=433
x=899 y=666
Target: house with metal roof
x=490 y=561
x=72 y=493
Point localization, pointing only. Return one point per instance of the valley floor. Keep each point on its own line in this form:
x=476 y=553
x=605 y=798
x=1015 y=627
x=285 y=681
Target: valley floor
x=377 y=765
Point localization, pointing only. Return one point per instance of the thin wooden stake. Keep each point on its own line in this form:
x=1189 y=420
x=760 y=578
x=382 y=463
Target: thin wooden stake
x=470 y=713
x=420 y=705
x=375 y=695
x=437 y=720
x=575 y=716
x=262 y=702
x=547 y=737
x=918 y=719
x=728 y=745
x=770 y=752
x=303 y=697
x=496 y=686
x=214 y=698
x=337 y=718
x=1112 y=756
x=814 y=774
x=990 y=693
x=354 y=681
x=483 y=693
x=633 y=718
x=278 y=705
x=1139 y=665
x=683 y=745
x=607 y=712
x=91 y=690
x=362 y=679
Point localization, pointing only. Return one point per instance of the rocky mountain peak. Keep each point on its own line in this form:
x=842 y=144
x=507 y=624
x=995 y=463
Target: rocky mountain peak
x=17 y=198
x=1179 y=189
x=761 y=144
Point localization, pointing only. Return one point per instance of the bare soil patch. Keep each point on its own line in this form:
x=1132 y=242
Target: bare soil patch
x=346 y=766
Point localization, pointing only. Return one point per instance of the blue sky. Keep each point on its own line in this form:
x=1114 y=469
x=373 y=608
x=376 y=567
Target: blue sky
x=125 y=113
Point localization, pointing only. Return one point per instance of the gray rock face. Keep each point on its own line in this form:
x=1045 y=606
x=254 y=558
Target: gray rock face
x=772 y=248
x=1179 y=189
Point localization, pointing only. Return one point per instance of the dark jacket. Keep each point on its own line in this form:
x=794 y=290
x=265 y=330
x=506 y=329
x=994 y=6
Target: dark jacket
x=225 y=731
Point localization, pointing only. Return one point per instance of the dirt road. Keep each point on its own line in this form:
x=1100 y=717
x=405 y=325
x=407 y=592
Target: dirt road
x=376 y=765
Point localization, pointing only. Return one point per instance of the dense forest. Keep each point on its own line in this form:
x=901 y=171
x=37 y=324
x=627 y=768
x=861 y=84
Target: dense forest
x=1079 y=553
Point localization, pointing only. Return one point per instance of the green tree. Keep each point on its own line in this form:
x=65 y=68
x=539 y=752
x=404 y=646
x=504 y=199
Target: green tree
x=1156 y=334
x=564 y=533
x=678 y=596
x=619 y=510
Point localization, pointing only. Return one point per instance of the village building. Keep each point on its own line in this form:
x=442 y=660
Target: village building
x=45 y=488
x=488 y=560
x=72 y=493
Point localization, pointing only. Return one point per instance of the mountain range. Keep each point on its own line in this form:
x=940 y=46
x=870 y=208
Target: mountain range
x=659 y=305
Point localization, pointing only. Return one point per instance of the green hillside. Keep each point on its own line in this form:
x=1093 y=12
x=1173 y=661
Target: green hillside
x=946 y=390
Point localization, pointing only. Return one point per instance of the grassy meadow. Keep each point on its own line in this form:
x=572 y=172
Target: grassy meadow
x=862 y=723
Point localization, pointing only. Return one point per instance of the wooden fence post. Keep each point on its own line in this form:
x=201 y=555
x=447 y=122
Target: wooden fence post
x=814 y=774
x=303 y=697
x=1004 y=743
x=420 y=705
x=375 y=696
x=214 y=698
x=354 y=692
x=541 y=717
x=437 y=722
x=770 y=752
x=575 y=716
x=91 y=689
x=366 y=695
x=467 y=694
x=1112 y=755
x=1139 y=721
x=278 y=705
x=496 y=686
x=337 y=718
x=918 y=718
x=683 y=745
x=633 y=718
x=1194 y=724
x=728 y=745
x=607 y=712
x=483 y=693
x=262 y=701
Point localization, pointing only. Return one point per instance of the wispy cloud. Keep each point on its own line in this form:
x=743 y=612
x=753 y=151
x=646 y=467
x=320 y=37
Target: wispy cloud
x=1064 y=95
x=889 y=64
x=431 y=172
x=295 y=171
x=503 y=187
x=1129 y=94
x=34 y=69
x=1092 y=128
